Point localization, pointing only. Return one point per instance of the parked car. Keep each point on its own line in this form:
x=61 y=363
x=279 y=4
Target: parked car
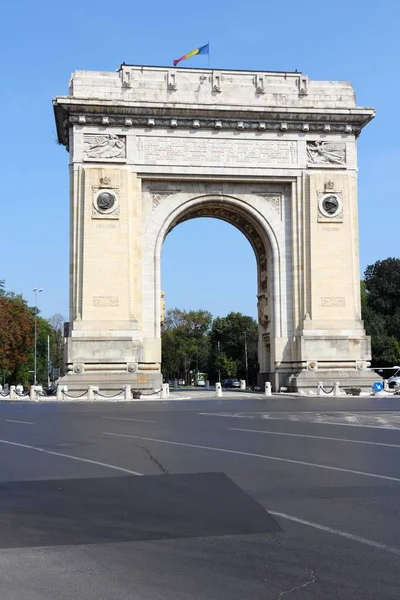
x=231 y=383
x=394 y=380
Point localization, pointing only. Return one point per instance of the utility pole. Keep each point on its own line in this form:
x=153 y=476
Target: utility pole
x=219 y=370
x=48 y=361
x=245 y=356
x=37 y=291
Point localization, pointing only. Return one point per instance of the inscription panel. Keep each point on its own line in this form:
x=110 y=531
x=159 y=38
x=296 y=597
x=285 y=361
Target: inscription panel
x=334 y=302
x=215 y=152
x=102 y=301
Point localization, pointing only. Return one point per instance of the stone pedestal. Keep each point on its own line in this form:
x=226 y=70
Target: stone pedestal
x=308 y=380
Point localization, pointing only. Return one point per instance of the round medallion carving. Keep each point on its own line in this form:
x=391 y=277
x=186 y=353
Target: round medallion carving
x=105 y=201
x=78 y=368
x=330 y=205
x=132 y=367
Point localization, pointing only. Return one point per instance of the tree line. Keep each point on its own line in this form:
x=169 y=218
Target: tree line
x=224 y=347
x=17 y=326
x=380 y=302
x=193 y=340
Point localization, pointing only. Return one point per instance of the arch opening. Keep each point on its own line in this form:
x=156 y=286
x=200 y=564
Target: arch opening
x=255 y=228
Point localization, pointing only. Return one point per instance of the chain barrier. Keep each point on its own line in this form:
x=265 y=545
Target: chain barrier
x=327 y=392
x=64 y=394
x=150 y=393
x=103 y=396
x=74 y=397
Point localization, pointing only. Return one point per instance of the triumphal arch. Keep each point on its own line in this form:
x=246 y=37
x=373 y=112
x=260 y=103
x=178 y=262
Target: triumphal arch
x=272 y=153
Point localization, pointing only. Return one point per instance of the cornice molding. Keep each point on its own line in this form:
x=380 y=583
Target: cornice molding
x=70 y=112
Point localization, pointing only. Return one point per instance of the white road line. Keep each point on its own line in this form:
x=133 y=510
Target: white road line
x=349 y=536
x=253 y=455
x=93 y=462
x=126 y=419
x=23 y=422
x=292 y=418
x=316 y=437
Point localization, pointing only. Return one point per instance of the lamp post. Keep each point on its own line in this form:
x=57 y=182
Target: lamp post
x=246 y=358
x=37 y=291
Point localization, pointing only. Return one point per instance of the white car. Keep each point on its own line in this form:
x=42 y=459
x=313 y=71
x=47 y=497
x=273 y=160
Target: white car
x=394 y=381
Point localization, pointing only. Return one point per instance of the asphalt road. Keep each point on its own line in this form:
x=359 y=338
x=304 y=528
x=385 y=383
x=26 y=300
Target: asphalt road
x=226 y=499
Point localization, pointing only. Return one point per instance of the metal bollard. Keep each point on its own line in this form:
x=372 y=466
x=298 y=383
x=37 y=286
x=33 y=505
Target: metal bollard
x=336 y=388
x=242 y=384
x=127 y=392
x=60 y=392
x=90 y=393
x=176 y=388
x=32 y=393
x=386 y=387
x=13 y=393
x=320 y=385
x=165 y=390
x=218 y=389
x=207 y=385
x=267 y=390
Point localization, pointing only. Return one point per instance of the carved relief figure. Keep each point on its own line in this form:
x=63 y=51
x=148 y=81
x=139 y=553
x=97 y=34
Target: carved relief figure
x=105 y=146
x=326 y=153
x=262 y=306
x=263 y=280
x=162 y=308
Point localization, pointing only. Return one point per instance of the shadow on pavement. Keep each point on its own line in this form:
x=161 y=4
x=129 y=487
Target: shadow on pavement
x=120 y=509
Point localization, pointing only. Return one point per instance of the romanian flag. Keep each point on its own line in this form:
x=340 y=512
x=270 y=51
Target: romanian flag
x=202 y=50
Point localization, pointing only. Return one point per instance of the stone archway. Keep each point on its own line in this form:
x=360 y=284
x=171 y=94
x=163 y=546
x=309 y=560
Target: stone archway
x=259 y=218
x=272 y=153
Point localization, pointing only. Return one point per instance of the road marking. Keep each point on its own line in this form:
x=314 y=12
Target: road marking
x=349 y=536
x=317 y=420
x=253 y=455
x=316 y=437
x=93 y=462
x=23 y=422
x=126 y=419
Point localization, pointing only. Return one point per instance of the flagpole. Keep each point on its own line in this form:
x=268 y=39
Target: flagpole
x=208 y=54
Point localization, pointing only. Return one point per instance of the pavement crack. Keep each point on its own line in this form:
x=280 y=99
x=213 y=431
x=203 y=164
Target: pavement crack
x=301 y=585
x=153 y=459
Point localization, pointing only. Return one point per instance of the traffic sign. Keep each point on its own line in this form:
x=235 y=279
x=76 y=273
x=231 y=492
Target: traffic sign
x=377 y=386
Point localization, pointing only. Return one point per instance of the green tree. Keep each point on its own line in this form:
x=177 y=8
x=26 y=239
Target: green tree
x=226 y=367
x=16 y=332
x=380 y=302
x=185 y=343
x=57 y=346
x=229 y=337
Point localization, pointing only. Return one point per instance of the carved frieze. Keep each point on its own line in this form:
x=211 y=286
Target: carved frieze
x=207 y=151
x=236 y=219
x=275 y=200
x=333 y=301
x=263 y=280
x=158 y=196
x=104 y=147
x=105 y=301
x=326 y=153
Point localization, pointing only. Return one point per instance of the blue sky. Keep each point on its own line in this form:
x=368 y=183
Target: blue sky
x=206 y=263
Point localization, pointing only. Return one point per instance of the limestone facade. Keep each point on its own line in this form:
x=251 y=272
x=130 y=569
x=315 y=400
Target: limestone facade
x=272 y=153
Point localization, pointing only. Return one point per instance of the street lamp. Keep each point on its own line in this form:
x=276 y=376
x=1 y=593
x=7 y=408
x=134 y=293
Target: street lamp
x=37 y=291
x=246 y=358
